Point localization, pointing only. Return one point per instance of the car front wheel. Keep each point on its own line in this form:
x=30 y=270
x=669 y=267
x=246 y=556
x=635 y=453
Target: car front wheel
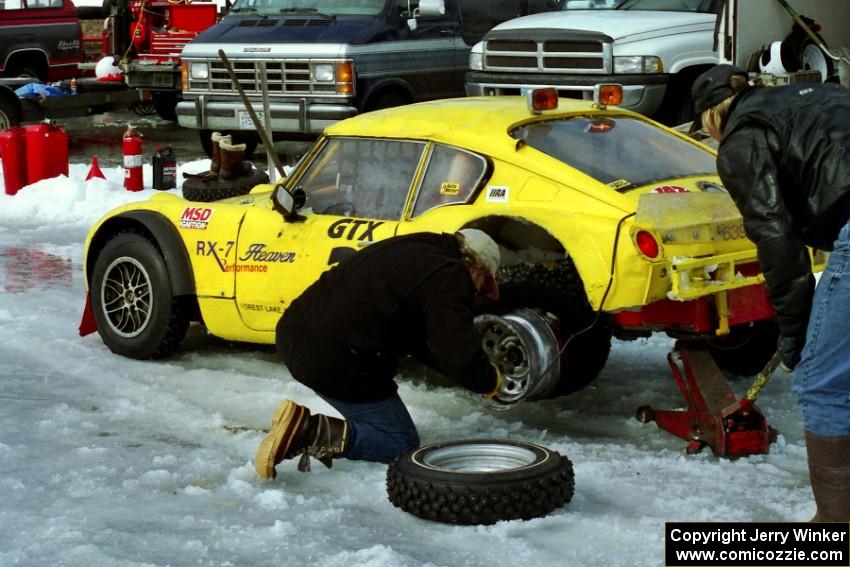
x=131 y=297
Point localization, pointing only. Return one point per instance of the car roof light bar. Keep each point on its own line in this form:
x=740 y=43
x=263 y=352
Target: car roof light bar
x=542 y=99
x=607 y=94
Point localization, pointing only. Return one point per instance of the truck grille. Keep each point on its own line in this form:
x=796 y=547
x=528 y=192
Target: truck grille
x=547 y=55
x=290 y=77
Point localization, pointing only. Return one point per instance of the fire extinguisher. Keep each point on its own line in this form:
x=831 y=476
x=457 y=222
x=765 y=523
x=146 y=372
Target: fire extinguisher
x=132 y=146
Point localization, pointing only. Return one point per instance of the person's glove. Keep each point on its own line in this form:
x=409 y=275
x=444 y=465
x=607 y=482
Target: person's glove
x=492 y=395
x=789 y=352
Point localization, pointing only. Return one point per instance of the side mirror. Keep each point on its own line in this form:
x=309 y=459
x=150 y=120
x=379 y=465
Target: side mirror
x=432 y=8
x=283 y=201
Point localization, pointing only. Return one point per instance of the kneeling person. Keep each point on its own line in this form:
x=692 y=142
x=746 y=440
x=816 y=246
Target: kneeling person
x=344 y=335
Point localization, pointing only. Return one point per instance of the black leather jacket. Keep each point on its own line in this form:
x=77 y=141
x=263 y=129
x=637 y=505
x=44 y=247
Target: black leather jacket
x=785 y=159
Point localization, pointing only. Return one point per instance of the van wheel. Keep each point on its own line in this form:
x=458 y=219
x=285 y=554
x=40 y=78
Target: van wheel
x=480 y=481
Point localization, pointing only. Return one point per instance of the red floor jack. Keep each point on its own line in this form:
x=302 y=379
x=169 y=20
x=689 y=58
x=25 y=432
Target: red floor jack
x=732 y=428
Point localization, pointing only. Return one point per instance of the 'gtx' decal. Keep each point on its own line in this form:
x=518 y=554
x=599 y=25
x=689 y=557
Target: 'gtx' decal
x=351 y=226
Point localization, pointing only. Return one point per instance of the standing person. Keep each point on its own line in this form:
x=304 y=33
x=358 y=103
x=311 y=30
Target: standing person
x=342 y=337
x=784 y=156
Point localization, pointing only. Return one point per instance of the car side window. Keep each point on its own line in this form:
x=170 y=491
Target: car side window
x=44 y=3
x=11 y=5
x=451 y=177
x=361 y=177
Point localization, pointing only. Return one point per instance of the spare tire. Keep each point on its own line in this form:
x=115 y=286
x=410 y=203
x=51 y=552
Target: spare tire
x=480 y=481
x=207 y=190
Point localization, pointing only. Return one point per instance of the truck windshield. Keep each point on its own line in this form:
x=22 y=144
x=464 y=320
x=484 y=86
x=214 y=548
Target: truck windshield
x=311 y=7
x=621 y=152
x=704 y=6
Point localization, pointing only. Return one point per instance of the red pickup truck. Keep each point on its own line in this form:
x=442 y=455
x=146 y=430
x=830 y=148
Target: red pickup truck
x=40 y=39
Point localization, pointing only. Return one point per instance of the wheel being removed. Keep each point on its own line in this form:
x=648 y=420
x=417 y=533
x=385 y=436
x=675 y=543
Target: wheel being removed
x=480 y=481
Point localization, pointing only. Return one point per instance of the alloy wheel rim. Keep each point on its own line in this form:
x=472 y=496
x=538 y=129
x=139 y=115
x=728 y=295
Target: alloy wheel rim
x=479 y=458
x=127 y=297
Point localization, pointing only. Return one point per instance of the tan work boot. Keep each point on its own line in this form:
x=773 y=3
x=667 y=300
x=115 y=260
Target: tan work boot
x=215 y=159
x=232 y=162
x=829 y=471
x=294 y=430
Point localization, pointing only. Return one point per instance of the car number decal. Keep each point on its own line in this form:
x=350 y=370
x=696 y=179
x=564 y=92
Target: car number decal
x=338 y=229
x=670 y=189
x=497 y=193
x=195 y=218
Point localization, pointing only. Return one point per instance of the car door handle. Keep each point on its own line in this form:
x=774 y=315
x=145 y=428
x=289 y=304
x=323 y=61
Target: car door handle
x=448 y=32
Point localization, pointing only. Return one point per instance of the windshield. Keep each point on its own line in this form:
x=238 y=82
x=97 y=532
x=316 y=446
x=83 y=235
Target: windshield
x=310 y=7
x=621 y=152
x=704 y=6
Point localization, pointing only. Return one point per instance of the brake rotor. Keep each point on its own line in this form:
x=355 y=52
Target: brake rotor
x=524 y=346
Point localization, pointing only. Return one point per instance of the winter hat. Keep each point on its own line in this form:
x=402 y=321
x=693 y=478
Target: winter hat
x=484 y=248
x=713 y=87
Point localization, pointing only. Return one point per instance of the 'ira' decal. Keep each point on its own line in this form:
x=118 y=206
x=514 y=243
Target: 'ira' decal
x=497 y=193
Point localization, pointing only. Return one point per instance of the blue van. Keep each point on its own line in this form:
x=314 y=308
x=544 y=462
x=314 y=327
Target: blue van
x=326 y=60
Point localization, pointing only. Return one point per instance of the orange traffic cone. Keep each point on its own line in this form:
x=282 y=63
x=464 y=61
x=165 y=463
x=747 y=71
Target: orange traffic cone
x=94 y=170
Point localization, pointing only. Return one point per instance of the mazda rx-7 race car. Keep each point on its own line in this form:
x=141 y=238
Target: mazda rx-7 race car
x=608 y=224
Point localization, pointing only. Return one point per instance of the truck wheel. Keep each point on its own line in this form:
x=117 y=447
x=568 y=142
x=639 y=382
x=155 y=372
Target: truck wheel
x=9 y=115
x=386 y=100
x=131 y=298
x=206 y=191
x=746 y=349
x=166 y=106
x=480 y=481
x=558 y=291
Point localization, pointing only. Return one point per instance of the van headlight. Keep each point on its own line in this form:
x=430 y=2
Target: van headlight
x=632 y=64
x=200 y=71
x=323 y=72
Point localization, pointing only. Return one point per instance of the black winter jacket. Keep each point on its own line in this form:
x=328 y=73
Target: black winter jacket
x=785 y=159
x=343 y=336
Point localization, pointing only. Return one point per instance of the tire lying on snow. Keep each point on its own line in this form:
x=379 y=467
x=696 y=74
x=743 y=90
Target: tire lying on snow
x=480 y=481
x=206 y=191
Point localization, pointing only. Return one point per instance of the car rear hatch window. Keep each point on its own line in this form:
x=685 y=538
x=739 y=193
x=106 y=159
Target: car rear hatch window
x=621 y=152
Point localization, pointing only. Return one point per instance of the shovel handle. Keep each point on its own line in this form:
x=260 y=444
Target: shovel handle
x=763 y=377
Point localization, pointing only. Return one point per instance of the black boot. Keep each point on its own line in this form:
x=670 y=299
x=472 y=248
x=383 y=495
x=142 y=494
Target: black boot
x=829 y=470
x=295 y=431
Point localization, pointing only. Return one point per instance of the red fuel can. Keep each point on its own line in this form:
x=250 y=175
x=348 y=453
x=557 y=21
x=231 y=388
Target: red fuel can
x=47 y=151
x=13 y=152
x=132 y=147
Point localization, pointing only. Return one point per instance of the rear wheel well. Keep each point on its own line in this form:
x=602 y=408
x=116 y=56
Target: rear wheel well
x=31 y=63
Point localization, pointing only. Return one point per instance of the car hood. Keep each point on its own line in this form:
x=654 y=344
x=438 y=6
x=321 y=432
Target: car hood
x=620 y=25
x=259 y=30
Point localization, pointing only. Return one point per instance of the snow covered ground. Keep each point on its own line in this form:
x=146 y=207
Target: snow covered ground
x=116 y=462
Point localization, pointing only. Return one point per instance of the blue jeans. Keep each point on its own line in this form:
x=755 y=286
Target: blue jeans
x=377 y=431
x=822 y=378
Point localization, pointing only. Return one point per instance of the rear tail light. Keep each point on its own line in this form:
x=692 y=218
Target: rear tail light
x=542 y=99
x=647 y=244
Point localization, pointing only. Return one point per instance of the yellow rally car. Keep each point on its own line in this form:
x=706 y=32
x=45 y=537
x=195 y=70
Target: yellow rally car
x=608 y=223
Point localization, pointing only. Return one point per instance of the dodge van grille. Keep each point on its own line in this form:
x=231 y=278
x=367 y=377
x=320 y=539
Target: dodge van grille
x=289 y=77
x=548 y=54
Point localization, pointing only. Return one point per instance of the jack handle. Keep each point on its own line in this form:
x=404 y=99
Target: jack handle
x=763 y=377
